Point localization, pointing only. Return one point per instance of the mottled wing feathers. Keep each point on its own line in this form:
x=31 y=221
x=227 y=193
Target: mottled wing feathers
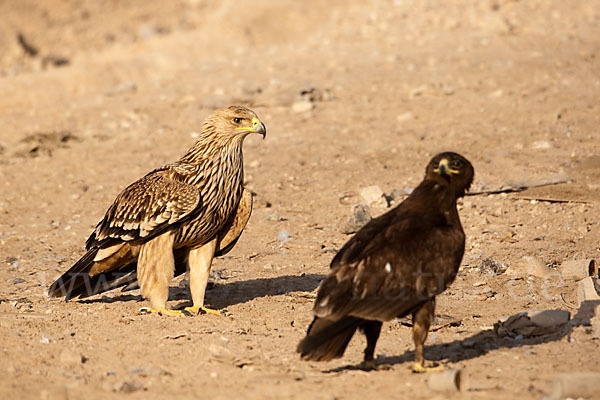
x=146 y=208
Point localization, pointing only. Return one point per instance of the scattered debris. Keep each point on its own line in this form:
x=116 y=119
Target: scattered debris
x=45 y=340
x=313 y=94
x=13 y=262
x=575 y=385
x=305 y=295
x=27 y=46
x=149 y=371
x=532 y=323
x=374 y=196
x=587 y=290
x=175 y=337
x=519 y=186
x=360 y=216
x=128 y=386
x=44 y=143
x=491 y=267
x=445 y=381
x=302 y=106
x=454 y=323
x=535 y=267
x=123 y=87
x=562 y=296
x=283 y=237
x=575 y=270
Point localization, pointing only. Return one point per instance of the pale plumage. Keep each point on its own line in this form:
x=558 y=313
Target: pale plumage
x=182 y=213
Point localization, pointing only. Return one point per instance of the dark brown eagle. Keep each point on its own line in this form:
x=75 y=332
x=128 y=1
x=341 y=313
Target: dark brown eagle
x=180 y=215
x=394 y=266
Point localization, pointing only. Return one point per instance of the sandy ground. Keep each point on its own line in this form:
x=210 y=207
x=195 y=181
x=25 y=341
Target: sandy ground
x=354 y=94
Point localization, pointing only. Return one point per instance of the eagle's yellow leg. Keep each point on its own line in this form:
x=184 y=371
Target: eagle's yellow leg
x=156 y=265
x=199 y=263
x=203 y=310
x=418 y=368
x=421 y=322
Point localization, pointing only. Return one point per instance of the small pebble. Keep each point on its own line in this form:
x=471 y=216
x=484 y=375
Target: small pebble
x=302 y=106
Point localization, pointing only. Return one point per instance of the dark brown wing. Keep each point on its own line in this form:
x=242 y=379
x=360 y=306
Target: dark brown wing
x=392 y=266
x=148 y=207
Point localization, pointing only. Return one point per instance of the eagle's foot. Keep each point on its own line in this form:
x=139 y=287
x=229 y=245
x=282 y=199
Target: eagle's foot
x=162 y=311
x=195 y=310
x=420 y=368
x=369 y=365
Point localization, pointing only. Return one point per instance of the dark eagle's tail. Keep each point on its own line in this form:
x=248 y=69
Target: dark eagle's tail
x=327 y=339
x=77 y=282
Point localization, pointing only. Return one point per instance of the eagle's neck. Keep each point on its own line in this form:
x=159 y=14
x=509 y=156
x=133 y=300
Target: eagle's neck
x=435 y=197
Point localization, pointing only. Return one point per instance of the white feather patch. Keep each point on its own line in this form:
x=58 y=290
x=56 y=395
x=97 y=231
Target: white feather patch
x=388 y=268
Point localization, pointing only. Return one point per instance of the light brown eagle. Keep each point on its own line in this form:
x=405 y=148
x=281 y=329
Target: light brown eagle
x=180 y=215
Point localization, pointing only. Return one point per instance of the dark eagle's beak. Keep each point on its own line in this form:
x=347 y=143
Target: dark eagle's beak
x=257 y=127
x=444 y=168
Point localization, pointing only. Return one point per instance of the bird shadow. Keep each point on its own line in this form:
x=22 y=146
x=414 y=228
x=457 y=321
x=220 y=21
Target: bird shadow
x=222 y=295
x=228 y=294
x=482 y=343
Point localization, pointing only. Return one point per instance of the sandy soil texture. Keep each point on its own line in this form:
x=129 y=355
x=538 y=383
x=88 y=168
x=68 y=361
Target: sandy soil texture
x=354 y=94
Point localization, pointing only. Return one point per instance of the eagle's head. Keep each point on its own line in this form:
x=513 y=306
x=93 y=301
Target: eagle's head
x=232 y=122
x=453 y=168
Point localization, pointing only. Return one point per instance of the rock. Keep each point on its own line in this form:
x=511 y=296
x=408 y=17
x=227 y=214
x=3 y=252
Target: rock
x=221 y=354
x=71 y=358
x=373 y=195
x=359 y=217
x=576 y=385
x=283 y=237
x=541 y=145
x=575 y=270
x=45 y=340
x=302 y=106
x=587 y=290
x=532 y=323
x=445 y=381
x=128 y=386
x=16 y=281
x=535 y=267
x=407 y=116
x=491 y=267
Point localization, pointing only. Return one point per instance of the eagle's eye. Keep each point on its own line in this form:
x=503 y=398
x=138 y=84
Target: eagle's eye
x=456 y=164
x=237 y=120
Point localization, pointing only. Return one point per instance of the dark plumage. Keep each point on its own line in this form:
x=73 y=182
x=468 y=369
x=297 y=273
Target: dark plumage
x=394 y=266
x=182 y=214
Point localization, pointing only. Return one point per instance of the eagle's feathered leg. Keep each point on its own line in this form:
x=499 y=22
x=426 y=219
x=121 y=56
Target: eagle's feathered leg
x=371 y=329
x=422 y=318
x=156 y=266
x=199 y=263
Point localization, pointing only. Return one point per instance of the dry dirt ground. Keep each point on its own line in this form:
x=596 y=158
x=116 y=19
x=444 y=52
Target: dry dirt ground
x=95 y=94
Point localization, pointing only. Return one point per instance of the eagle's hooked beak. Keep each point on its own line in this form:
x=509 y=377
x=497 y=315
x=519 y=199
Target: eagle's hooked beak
x=257 y=127
x=444 y=168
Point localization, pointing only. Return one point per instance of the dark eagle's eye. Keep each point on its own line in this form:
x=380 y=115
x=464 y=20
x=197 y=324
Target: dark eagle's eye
x=237 y=120
x=456 y=164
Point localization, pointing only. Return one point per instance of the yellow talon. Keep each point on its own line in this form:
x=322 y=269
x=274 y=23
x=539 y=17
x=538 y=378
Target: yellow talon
x=203 y=310
x=161 y=311
x=420 y=368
